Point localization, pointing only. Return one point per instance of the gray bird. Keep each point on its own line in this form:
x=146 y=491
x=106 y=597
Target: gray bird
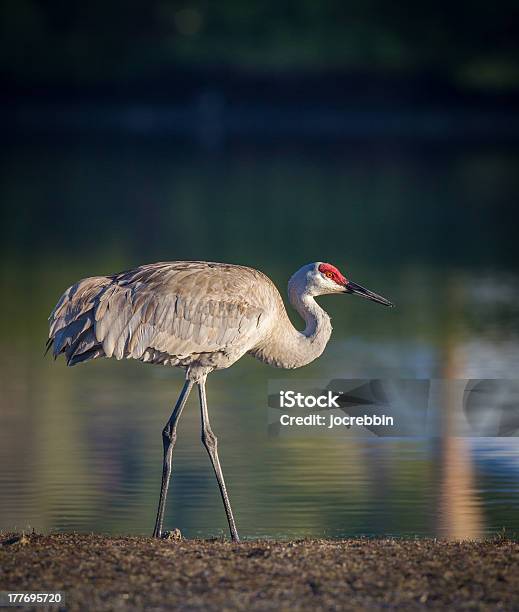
x=199 y=316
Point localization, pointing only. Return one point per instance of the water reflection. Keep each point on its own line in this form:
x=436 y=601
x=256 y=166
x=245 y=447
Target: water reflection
x=80 y=448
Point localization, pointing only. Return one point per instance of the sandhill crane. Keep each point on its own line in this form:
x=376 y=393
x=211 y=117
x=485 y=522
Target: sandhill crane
x=199 y=316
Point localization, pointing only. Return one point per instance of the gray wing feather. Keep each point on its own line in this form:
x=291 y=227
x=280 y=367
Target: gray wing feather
x=165 y=313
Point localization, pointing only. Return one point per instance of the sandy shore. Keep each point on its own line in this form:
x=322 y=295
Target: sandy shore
x=133 y=573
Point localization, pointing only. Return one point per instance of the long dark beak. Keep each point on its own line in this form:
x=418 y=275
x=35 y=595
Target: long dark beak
x=366 y=293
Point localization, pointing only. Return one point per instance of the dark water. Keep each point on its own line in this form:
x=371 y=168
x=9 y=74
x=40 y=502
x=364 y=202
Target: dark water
x=434 y=231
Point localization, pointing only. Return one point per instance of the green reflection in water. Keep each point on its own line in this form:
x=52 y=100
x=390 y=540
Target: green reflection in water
x=80 y=448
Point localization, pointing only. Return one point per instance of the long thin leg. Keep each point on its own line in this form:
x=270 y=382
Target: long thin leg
x=169 y=437
x=210 y=442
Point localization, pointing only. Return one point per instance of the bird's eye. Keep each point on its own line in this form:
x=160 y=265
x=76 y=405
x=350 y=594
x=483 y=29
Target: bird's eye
x=329 y=274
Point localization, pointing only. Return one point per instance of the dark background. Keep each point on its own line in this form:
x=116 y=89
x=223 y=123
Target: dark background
x=424 y=93
x=374 y=53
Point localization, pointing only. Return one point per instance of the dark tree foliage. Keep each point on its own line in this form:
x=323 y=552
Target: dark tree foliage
x=474 y=44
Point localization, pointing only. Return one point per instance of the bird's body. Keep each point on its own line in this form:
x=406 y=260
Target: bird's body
x=186 y=314
x=200 y=316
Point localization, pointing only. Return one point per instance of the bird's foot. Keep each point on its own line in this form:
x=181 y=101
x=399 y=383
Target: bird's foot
x=174 y=534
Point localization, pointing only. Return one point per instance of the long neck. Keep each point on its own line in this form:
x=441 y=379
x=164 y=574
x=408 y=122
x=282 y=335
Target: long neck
x=289 y=348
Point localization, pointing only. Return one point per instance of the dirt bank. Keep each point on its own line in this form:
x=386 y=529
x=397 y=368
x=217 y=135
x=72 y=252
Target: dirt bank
x=133 y=573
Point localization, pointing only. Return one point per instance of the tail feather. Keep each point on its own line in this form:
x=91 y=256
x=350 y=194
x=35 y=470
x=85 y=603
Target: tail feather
x=48 y=346
x=71 y=330
x=86 y=356
x=84 y=343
